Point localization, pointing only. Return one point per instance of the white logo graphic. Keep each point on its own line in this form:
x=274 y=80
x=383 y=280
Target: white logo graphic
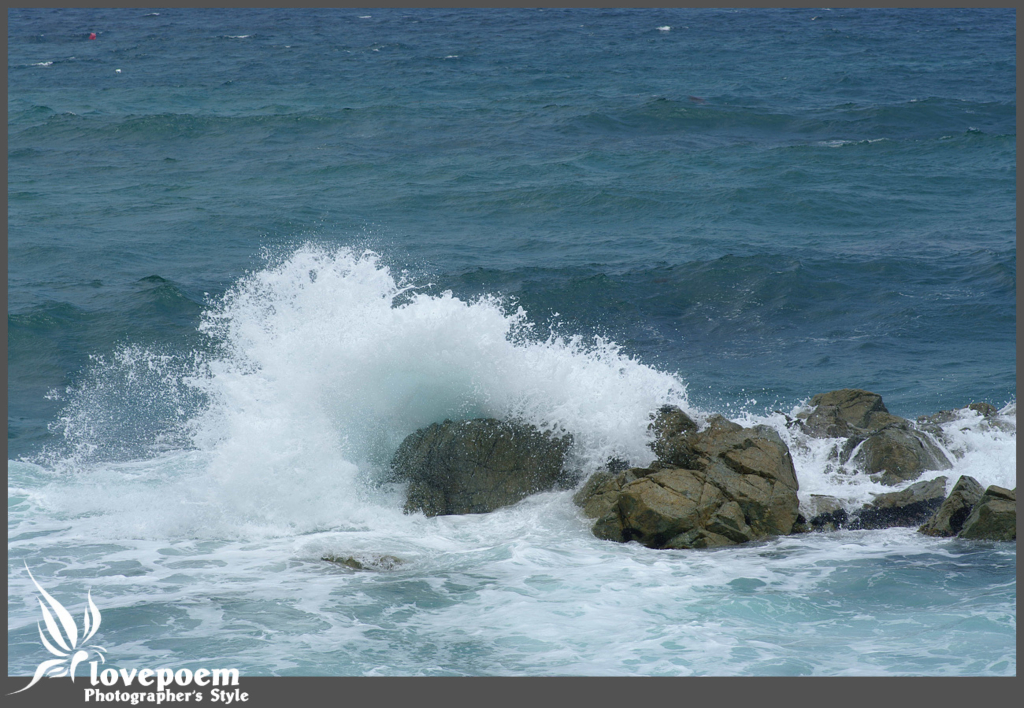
x=68 y=647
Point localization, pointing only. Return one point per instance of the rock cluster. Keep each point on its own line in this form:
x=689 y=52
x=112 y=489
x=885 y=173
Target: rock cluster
x=721 y=486
x=876 y=441
x=994 y=518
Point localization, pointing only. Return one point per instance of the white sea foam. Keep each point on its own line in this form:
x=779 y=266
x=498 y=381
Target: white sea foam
x=325 y=364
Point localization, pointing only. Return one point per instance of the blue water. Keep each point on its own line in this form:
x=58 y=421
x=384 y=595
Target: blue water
x=251 y=250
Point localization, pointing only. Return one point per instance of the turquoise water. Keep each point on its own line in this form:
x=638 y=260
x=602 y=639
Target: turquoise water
x=251 y=250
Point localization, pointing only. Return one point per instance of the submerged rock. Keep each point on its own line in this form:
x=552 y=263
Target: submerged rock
x=477 y=466
x=739 y=485
x=949 y=519
x=364 y=562
x=994 y=517
x=989 y=414
x=908 y=507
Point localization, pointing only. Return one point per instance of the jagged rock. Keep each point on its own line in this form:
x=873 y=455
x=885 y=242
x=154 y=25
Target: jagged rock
x=477 y=466
x=672 y=443
x=741 y=486
x=600 y=493
x=909 y=507
x=950 y=517
x=826 y=513
x=365 y=562
x=994 y=517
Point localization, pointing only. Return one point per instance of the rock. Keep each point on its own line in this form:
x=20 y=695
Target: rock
x=839 y=414
x=601 y=492
x=994 y=517
x=826 y=513
x=365 y=562
x=477 y=466
x=879 y=442
x=672 y=443
x=985 y=409
x=932 y=424
x=900 y=455
x=950 y=517
x=741 y=486
x=909 y=507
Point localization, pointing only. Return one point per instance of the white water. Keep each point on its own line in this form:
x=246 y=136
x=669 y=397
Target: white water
x=211 y=524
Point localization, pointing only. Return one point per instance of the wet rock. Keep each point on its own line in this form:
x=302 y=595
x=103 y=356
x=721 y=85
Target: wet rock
x=899 y=455
x=673 y=431
x=740 y=486
x=826 y=513
x=842 y=413
x=875 y=440
x=909 y=507
x=364 y=561
x=985 y=409
x=994 y=517
x=477 y=466
x=949 y=519
x=932 y=424
x=600 y=493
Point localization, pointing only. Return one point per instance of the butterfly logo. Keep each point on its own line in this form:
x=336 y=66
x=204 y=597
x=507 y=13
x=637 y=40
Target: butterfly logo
x=63 y=636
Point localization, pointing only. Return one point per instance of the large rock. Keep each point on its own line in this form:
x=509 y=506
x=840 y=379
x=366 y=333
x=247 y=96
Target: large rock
x=739 y=485
x=908 y=507
x=899 y=454
x=950 y=517
x=876 y=441
x=846 y=412
x=994 y=517
x=477 y=466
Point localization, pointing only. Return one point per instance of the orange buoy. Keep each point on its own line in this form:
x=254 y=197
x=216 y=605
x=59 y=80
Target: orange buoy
x=92 y=35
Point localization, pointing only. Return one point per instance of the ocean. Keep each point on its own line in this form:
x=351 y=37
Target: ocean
x=250 y=251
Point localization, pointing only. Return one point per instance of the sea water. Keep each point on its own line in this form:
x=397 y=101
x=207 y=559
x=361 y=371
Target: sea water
x=251 y=250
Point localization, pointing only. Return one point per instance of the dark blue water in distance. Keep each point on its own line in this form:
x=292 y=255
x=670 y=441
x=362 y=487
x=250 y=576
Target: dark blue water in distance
x=731 y=209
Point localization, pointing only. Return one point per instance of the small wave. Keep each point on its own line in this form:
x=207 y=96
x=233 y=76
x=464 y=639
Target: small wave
x=664 y=28
x=841 y=143
x=43 y=63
